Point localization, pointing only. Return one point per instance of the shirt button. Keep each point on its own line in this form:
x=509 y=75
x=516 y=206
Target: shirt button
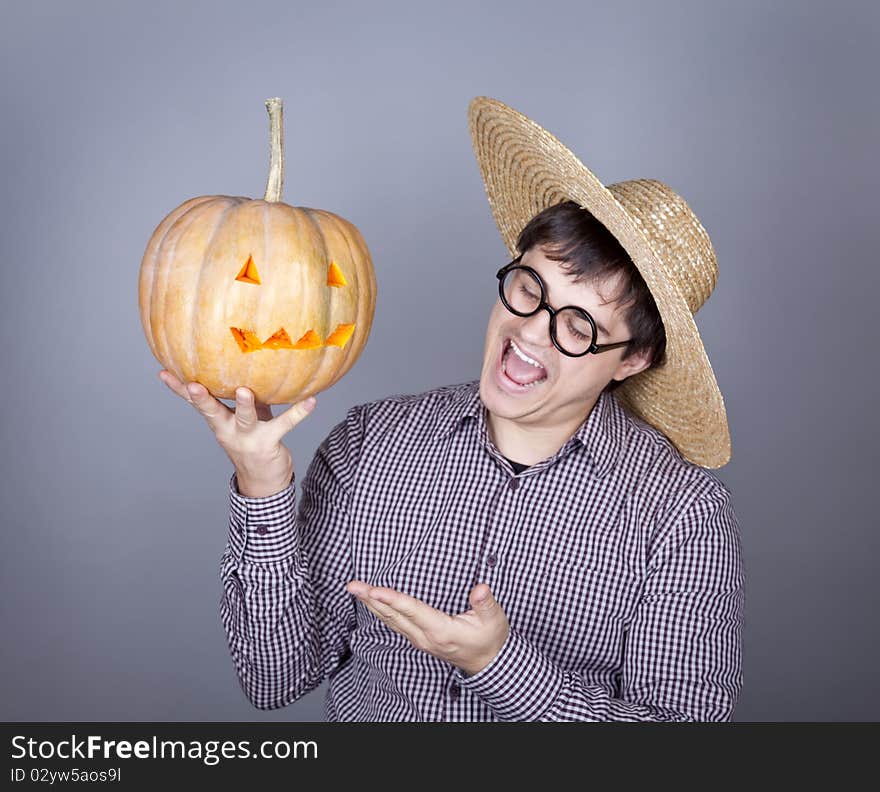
x=514 y=483
x=491 y=560
x=262 y=529
x=455 y=690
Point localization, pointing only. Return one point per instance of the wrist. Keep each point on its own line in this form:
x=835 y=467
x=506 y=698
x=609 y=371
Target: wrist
x=261 y=488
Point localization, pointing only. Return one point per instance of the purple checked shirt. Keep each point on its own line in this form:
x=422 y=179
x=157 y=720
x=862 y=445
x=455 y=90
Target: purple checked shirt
x=617 y=563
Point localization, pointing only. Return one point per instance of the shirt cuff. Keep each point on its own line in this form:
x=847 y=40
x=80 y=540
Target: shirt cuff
x=262 y=530
x=519 y=683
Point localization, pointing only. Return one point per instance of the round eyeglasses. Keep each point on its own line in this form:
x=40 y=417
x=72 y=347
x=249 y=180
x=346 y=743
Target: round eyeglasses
x=572 y=329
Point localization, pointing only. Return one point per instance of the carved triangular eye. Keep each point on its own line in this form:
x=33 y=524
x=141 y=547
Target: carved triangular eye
x=248 y=273
x=335 y=276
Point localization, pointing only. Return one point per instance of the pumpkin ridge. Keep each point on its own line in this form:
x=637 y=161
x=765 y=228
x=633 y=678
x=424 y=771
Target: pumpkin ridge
x=206 y=257
x=160 y=282
x=305 y=221
x=342 y=230
x=181 y=228
x=285 y=225
x=150 y=265
x=249 y=366
x=310 y=368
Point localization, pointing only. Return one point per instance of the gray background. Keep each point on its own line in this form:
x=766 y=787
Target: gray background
x=763 y=115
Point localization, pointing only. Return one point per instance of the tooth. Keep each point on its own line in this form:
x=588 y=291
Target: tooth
x=531 y=384
x=522 y=356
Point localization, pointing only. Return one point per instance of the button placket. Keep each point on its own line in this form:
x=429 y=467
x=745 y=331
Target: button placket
x=495 y=533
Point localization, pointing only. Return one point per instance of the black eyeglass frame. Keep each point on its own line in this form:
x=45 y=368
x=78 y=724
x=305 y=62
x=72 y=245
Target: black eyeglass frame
x=594 y=348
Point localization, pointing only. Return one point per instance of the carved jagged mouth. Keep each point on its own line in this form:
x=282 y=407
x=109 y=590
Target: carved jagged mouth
x=248 y=341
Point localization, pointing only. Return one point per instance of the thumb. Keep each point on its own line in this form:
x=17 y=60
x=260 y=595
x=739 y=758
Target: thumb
x=482 y=600
x=283 y=423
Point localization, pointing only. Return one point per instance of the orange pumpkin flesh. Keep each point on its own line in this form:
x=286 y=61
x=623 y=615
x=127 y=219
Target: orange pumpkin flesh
x=335 y=276
x=220 y=273
x=248 y=272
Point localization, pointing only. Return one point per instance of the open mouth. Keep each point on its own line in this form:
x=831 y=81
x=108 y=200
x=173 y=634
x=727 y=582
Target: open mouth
x=248 y=341
x=520 y=369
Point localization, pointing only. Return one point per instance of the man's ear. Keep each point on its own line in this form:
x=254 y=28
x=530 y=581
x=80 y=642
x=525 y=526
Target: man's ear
x=636 y=362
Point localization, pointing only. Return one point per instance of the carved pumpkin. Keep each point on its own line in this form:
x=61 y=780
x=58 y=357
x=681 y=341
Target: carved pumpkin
x=235 y=291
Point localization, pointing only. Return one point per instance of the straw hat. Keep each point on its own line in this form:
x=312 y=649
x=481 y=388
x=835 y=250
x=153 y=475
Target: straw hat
x=526 y=169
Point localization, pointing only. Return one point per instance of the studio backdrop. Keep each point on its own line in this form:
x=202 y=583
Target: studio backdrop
x=763 y=115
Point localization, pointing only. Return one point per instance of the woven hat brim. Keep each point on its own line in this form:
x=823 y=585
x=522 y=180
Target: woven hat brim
x=525 y=169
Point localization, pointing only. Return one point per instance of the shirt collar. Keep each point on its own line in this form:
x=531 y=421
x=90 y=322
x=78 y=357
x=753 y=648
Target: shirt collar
x=466 y=403
x=603 y=434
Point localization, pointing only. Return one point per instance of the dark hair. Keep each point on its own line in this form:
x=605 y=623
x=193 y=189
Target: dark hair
x=569 y=234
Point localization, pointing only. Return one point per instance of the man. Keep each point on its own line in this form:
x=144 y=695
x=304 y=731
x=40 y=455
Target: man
x=528 y=546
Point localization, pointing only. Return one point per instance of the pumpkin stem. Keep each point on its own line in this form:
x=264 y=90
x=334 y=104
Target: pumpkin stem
x=275 y=183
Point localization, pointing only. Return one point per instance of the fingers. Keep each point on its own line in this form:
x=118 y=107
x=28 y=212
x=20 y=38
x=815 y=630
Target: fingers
x=292 y=416
x=248 y=411
x=215 y=412
x=174 y=384
x=393 y=618
x=428 y=628
x=246 y=418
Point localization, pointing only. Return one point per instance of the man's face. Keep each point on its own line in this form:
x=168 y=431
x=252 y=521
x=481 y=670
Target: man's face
x=571 y=384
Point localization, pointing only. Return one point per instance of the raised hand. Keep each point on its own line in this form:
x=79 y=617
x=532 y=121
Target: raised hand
x=249 y=434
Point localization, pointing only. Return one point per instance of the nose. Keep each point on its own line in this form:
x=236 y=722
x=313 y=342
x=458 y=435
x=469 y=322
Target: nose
x=535 y=329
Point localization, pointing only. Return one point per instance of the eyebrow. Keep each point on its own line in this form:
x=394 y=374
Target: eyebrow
x=600 y=327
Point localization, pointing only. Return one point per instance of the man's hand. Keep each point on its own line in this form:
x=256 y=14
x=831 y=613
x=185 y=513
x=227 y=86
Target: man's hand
x=469 y=640
x=249 y=434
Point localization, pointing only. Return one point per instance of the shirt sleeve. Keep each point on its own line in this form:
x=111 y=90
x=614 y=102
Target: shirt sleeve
x=284 y=607
x=682 y=656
